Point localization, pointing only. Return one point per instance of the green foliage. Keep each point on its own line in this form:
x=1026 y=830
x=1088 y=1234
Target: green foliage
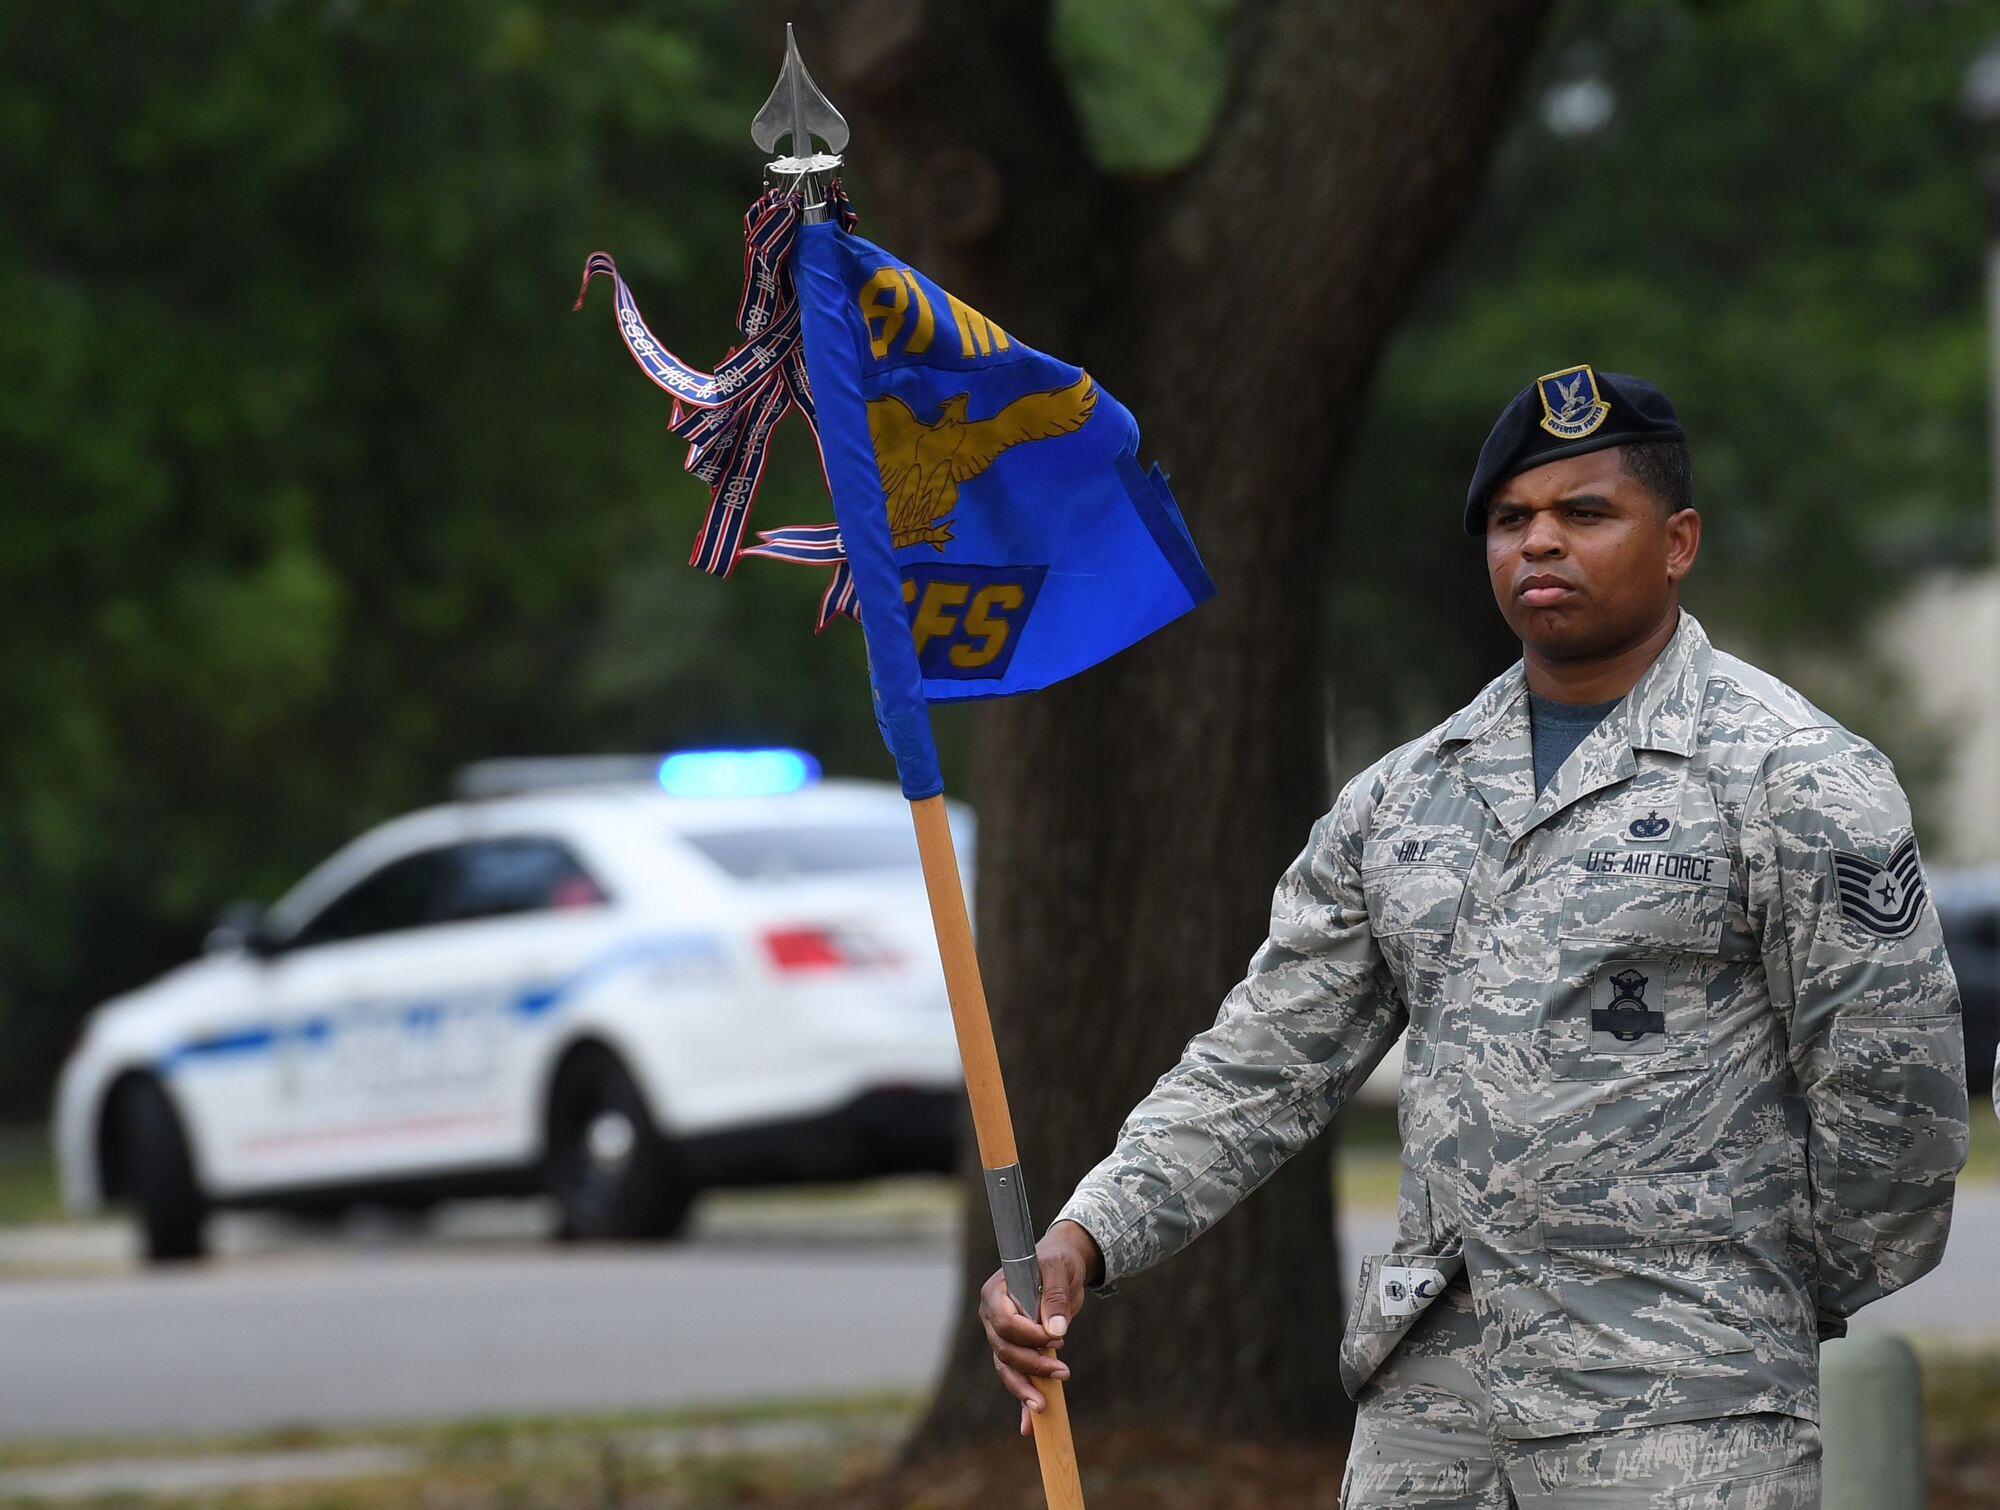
x=1782 y=222
x=316 y=487
x=1147 y=78
x=28 y=1190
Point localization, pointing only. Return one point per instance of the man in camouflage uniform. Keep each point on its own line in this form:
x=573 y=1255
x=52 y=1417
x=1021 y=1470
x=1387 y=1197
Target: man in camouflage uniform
x=1684 y=1082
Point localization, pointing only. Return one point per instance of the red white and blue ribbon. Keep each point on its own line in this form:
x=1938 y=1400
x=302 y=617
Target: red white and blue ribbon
x=727 y=416
x=815 y=545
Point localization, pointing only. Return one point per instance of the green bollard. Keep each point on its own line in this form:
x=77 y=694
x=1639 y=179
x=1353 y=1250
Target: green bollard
x=1871 y=1413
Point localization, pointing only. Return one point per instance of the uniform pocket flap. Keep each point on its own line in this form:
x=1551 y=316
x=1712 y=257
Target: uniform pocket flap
x=1415 y=879
x=1667 y=913
x=1867 y=1047
x=1636 y=1211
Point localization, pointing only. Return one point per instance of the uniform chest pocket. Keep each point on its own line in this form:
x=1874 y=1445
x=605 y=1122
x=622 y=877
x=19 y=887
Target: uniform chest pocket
x=1650 y=914
x=1637 y=955
x=1415 y=881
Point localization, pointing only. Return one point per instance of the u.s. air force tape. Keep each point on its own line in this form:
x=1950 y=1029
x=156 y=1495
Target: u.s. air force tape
x=1406 y=1291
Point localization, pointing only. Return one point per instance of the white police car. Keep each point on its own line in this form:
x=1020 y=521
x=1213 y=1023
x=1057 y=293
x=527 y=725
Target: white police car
x=585 y=978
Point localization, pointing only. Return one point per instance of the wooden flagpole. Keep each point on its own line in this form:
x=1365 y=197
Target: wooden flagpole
x=796 y=112
x=993 y=1125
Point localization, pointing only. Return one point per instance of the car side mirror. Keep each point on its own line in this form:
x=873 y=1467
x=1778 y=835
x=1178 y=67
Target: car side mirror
x=239 y=927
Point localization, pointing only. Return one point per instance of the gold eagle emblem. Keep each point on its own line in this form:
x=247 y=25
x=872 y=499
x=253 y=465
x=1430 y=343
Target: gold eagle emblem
x=922 y=465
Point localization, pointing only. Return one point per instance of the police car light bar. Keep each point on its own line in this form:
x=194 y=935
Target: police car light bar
x=736 y=773
x=686 y=773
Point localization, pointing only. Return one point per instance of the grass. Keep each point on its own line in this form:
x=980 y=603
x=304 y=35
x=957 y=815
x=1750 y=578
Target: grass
x=1366 y=1178
x=685 y=1458
x=28 y=1190
x=479 y=1436
x=1984 y=1165
x=1962 y=1428
x=832 y=1455
x=1368 y=1158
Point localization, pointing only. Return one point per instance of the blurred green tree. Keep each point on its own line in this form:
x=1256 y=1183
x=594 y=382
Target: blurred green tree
x=315 y=487
x=1773 y=208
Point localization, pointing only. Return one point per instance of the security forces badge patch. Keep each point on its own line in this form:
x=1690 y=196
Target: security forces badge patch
x=1885 y=899
x=1627 y=1017
x=1571 y=407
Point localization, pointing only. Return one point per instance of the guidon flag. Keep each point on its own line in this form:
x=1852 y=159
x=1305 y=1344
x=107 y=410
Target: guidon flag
x=993 y=530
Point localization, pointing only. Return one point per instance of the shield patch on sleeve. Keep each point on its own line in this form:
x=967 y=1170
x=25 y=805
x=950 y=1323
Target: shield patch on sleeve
x=1885 y=899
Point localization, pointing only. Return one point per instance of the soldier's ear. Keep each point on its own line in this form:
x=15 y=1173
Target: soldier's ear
x=1683 y=542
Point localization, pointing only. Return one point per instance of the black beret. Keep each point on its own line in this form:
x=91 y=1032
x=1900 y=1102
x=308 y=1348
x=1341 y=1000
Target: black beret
x=1566 y=414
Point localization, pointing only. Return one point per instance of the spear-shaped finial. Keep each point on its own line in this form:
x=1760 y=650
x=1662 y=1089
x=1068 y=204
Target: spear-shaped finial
x=797 y=109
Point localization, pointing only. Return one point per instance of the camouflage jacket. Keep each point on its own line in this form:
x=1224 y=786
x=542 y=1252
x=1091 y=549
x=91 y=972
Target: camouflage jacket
x=1684 y=1081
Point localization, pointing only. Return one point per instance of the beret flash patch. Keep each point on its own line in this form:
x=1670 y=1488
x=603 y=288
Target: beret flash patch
x=1571 y=407
x=1884 y=899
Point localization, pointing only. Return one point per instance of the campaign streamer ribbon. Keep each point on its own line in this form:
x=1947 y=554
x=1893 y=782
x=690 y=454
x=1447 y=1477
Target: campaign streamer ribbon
x=815 y=545
x=727 y=416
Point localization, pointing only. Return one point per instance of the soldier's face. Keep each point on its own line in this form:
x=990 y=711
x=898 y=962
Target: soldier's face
x=1585 y=562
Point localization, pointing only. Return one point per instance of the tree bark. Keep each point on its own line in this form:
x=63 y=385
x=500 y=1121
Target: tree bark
x=1134 y=819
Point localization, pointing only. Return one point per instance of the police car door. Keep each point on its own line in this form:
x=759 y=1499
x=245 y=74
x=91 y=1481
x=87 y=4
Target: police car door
x=430 y=1068
x=299 y=1125
x=525 y=919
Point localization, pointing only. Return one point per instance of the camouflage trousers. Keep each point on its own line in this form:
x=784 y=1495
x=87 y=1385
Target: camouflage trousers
x=1423 y=1437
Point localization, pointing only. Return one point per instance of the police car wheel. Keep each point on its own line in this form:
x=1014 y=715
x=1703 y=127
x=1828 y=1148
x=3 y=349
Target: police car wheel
x=611 y=1173
x=156 y=1173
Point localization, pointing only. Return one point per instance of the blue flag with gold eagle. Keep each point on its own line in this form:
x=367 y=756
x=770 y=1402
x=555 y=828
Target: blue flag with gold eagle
x=998 y=529
x=992 y=528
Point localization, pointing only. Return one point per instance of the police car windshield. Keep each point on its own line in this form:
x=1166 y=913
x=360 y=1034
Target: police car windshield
x=783 y=854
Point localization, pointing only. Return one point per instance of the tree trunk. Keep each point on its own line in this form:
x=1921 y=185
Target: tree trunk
x=1134 y=820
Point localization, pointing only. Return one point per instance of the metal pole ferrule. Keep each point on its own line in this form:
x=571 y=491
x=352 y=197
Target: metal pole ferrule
x=1014 y=1232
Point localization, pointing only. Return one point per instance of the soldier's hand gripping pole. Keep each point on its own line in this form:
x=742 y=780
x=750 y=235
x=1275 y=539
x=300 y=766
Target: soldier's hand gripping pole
x=994 y=1128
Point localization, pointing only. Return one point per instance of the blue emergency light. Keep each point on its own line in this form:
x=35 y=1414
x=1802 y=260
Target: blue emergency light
x=737 y=773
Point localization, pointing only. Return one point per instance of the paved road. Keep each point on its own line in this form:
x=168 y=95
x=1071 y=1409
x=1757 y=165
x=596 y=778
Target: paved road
x=773 y=1298
x=462 y=1334
x=353 y=1331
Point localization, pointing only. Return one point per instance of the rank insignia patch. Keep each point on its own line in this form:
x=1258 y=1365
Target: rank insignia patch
x=1884 y=899
x=1571 y=407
